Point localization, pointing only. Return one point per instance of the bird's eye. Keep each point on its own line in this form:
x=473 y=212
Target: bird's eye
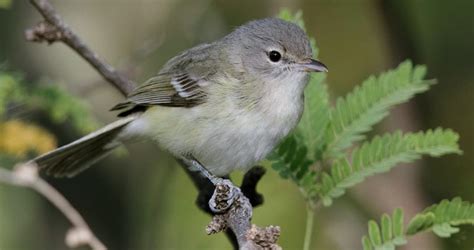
x=274 y=56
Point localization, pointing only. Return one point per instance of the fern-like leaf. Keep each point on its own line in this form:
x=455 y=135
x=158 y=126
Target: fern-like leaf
x=290 y=161
x=365 y=106
x=315 y=120
x=386 y=235
x=381 y=154
x=443 y=218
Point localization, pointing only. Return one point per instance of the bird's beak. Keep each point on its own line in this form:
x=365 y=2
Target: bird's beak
x=314 y=66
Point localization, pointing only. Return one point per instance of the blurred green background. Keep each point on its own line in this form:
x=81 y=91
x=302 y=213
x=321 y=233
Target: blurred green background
x=143 y=200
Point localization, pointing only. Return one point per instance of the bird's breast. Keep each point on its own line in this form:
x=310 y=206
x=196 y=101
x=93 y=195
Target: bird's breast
x=241 y=134
x=242 y=138
x=221 y=134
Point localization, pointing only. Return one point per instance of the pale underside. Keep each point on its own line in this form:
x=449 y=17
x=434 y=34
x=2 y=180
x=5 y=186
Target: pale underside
x=224 y=133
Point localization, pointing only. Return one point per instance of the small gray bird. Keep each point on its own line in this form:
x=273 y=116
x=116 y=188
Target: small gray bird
x=224 y=105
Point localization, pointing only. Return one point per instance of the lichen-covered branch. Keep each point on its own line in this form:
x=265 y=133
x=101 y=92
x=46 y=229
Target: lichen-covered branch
x=26 y=175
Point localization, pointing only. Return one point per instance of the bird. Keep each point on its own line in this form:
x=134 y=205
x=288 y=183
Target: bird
x=221 y=106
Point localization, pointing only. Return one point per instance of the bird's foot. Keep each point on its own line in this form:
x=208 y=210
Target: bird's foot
x=225 y=191
x=224 y=195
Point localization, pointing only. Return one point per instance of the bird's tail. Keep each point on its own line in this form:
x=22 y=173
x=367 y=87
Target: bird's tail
x=71 y=159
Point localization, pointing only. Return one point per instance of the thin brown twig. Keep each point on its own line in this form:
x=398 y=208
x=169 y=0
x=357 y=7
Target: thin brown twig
x=67 y=36
x=26 y=175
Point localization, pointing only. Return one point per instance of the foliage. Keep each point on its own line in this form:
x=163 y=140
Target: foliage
x=57 y=103
x=317 y=158
x=290 y=160
x=388 y=234
x=17 y=138
x=440 y=218
x=326 y=132
x=63 y=107
x=443 y=217
x=381 y=154
x=316 y=106
x=368 y=104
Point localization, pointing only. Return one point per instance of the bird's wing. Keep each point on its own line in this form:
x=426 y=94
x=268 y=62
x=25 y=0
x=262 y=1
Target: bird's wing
x=180 y=84
x=170 y=90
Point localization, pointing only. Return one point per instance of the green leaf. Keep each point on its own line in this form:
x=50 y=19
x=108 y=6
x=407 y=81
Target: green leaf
x=315 y=118
x=399 y=241
x=444 y=230
x=397 y=220
x=386 y=226
x=290 y=161
x=367 y=245
x=366 y=105
x=443 y=218
x=385 y=236
x=374 y=234
x=421 y=222
x=383 y=153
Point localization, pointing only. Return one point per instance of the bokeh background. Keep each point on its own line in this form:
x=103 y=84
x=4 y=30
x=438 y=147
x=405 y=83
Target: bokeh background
x=143 y=200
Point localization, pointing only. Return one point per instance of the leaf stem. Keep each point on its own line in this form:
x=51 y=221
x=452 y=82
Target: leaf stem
x=309 y=228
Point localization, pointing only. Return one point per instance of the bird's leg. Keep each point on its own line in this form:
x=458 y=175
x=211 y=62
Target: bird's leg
x=225 y=192
x=195 y=165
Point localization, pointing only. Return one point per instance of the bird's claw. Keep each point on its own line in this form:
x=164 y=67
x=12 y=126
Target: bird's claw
x=224 y=196
x=225 y=193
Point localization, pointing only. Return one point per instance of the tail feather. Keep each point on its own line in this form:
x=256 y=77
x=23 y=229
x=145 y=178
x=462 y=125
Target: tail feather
x=73 y=158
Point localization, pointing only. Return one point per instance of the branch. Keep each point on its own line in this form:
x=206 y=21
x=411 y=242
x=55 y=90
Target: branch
x=237 y=217
x=26 y=175
x=54 y=29
x=235 y=220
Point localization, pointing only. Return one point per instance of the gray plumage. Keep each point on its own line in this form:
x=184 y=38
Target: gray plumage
x=226 y=104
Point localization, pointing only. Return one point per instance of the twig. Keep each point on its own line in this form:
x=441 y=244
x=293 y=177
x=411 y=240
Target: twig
x=220 y=222
x=26 y=175
x=54 y=29
x=309 y=228
x=237 y=217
